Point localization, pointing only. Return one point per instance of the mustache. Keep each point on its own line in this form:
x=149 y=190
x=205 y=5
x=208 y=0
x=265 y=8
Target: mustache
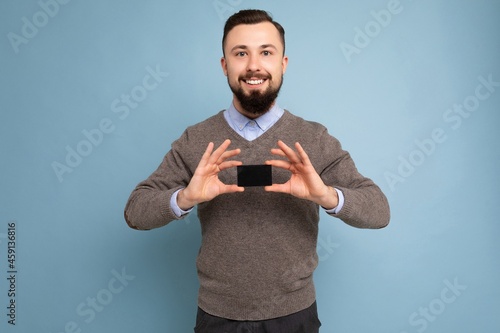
x=254 y=75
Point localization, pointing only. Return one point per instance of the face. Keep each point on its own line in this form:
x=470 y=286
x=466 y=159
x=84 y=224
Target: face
x=254 y=65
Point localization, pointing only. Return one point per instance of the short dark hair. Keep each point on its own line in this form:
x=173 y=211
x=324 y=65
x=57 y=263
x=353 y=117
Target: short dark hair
x=251 y=16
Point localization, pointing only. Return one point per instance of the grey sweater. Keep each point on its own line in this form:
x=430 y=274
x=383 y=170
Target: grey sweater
x=258 y=249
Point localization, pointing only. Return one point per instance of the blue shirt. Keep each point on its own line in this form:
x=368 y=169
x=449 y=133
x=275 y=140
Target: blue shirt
x=251 y=129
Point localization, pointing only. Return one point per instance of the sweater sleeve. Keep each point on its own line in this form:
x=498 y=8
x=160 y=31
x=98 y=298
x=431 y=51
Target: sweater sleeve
x=148 y=206
x=365 y=205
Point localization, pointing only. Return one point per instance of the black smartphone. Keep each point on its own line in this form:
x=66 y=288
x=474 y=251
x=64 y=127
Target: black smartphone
x=254 y=175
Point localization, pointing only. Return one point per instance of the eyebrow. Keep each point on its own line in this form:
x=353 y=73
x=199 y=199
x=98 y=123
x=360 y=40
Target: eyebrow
x=263 y=46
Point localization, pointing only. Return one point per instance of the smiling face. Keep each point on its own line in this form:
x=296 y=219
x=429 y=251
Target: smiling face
x=254 y=64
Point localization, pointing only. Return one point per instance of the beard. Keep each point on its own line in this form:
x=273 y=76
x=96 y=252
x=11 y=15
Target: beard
x=257 y=102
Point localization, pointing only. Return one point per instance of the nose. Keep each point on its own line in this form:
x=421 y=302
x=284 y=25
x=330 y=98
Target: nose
x=253 y=64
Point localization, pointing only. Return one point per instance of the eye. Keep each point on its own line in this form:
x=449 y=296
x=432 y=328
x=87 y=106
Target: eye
x=241 y=54
x=266 y=53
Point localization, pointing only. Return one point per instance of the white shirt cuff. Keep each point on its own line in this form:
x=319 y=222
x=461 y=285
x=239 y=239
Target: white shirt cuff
x=175 y=207
x=337 y=209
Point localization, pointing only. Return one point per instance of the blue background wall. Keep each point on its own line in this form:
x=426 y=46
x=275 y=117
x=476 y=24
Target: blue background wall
x=403 y=85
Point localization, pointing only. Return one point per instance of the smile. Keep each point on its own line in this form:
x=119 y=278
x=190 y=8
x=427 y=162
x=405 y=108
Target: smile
x=254 y=82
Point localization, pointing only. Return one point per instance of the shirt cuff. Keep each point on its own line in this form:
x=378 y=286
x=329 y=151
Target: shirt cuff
x=337 y=209
x=175 y=207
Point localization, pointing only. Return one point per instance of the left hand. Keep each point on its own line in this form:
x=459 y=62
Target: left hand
x=305 y=182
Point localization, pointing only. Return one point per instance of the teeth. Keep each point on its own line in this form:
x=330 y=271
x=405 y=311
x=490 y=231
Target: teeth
x=254 y=82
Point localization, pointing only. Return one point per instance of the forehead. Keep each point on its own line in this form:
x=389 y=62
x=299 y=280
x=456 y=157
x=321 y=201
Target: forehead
x=253 y=36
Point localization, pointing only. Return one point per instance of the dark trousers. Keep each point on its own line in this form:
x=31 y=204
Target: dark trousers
x=305 y=321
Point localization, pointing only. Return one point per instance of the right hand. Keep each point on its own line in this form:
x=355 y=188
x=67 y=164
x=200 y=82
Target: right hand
x=205 y=184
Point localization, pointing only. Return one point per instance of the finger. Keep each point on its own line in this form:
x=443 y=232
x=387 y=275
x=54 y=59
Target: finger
x=277 y=151
x=232 y=189
x=229 y=164
x=281 y=188
x=206 y=155
x=228 y=154
x=279 y=164
x=289 y=152
x=219 y=151
x=302 y=153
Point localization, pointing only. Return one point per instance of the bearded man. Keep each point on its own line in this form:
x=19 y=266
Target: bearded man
x=258 y=250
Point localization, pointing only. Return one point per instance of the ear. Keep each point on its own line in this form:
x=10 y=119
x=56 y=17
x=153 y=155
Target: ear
x=223 y=63
x=284 y=63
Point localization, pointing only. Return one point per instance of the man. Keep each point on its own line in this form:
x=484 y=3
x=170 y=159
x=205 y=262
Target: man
x=258 y=249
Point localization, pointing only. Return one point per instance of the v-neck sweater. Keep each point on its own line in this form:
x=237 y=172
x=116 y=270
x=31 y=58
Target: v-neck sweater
x=258 y=248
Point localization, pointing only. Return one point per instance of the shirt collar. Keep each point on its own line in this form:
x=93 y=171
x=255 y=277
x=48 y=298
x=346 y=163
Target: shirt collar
x=264 y=122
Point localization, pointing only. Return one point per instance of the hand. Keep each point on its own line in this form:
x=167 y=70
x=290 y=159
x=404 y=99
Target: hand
x=205 y=183
x=305 y=183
